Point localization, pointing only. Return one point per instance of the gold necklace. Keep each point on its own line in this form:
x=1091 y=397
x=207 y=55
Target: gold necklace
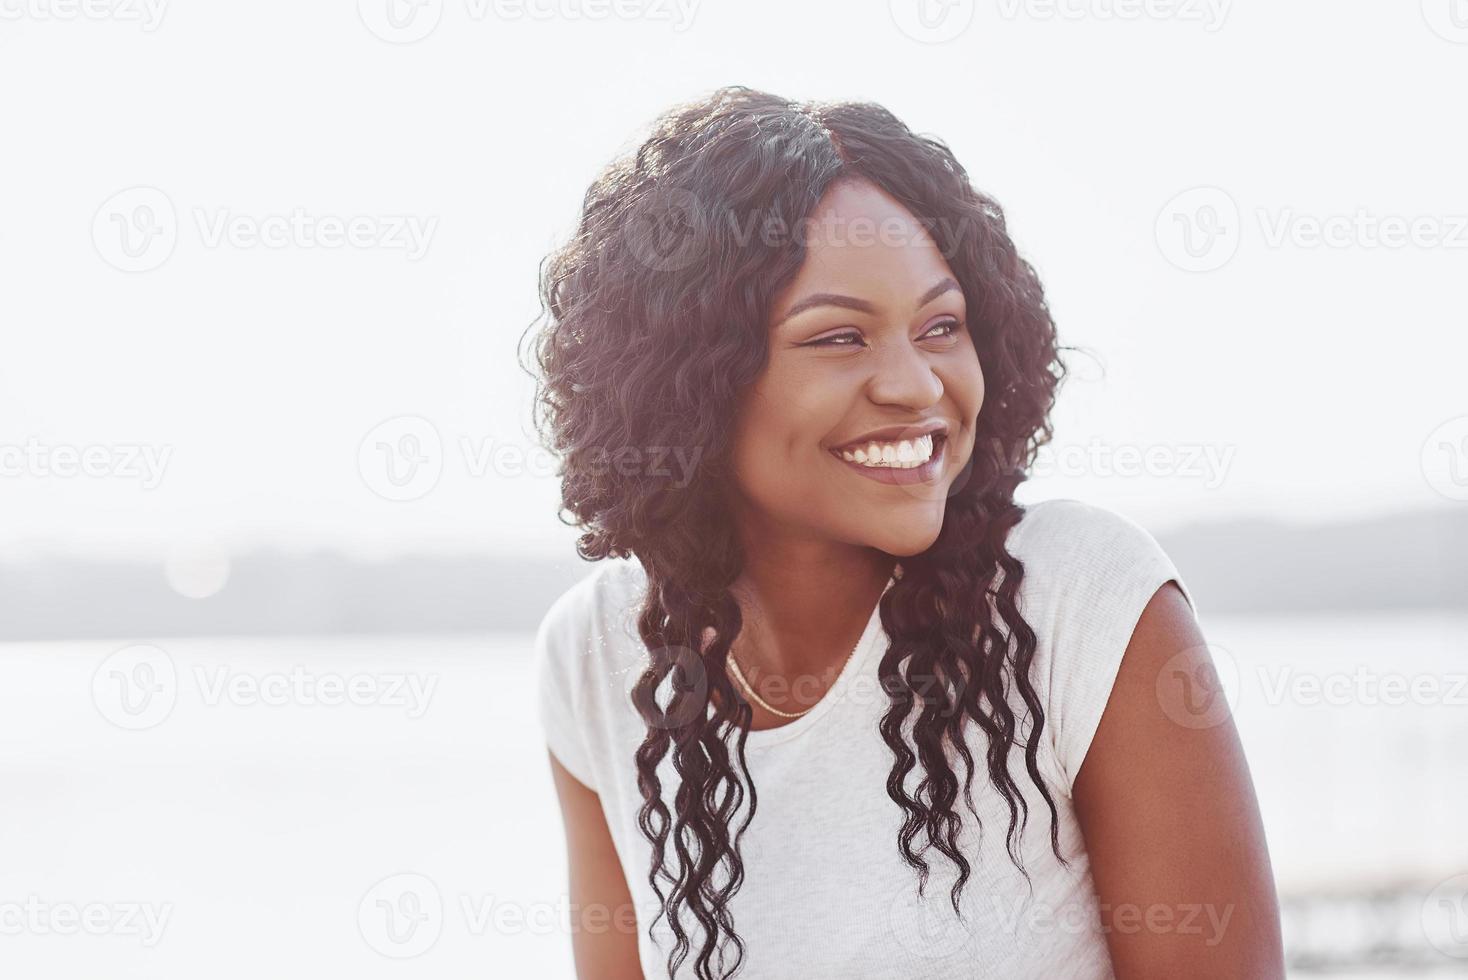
x=749 y=689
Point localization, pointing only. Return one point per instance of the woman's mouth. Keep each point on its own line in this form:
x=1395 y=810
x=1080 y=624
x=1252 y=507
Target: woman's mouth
x=902 y=461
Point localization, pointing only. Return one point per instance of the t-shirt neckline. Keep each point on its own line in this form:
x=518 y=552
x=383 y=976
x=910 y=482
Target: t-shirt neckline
x=836 y=693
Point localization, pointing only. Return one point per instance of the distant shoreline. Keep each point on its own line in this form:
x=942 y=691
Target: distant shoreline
x=1409 y=561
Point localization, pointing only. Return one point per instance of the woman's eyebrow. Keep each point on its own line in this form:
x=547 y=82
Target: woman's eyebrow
x=860 y=305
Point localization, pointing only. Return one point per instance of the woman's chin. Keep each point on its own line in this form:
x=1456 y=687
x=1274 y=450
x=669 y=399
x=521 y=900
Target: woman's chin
x=907 y=538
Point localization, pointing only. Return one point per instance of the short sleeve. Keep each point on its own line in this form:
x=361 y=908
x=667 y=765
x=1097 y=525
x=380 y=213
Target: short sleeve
x=558 y=694
x=1096 y=571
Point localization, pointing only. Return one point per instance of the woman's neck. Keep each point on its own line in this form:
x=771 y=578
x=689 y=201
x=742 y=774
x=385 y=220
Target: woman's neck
x=804 y=612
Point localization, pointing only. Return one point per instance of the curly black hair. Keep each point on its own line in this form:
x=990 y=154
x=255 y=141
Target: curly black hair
x=654 y=318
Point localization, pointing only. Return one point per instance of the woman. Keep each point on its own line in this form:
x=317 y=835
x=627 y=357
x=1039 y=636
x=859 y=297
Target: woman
x=795 y=370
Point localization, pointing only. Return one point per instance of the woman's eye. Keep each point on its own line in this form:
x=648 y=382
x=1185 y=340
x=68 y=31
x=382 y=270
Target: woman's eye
x=953 y=326
x=948 y=328
x=837 y=340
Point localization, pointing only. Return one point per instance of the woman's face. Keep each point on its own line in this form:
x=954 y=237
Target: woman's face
x=868 y=344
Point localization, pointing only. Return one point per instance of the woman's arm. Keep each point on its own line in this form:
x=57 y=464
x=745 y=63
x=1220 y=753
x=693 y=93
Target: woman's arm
x=603 y=921
x=1170 y=820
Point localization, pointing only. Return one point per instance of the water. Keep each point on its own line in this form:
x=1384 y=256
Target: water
x=251 y=819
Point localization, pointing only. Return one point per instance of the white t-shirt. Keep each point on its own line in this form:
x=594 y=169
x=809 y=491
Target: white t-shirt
x=826 y=893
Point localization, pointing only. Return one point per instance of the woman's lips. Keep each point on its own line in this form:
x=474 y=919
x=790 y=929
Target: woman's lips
x=903 y=477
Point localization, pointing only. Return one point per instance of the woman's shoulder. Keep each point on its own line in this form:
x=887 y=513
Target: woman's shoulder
x=584 y=654
x=587 y=614
x=1065 y=544
x=1089 y=572
x=1064 y=522
x=589 y=633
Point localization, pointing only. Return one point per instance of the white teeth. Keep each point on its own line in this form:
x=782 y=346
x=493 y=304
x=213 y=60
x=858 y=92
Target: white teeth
x=905 y=455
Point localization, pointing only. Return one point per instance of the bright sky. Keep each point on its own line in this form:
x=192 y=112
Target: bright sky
x=335 y=230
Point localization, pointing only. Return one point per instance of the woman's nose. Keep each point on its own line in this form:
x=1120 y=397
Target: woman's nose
x=904 y=376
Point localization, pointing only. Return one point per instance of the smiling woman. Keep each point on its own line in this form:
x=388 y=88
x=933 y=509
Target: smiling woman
x=843 y=615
